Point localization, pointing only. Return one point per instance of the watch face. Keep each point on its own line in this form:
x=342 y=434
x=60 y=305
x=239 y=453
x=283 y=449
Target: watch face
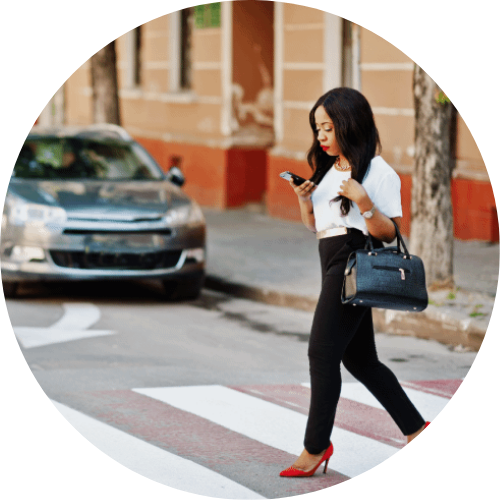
x=369 y=213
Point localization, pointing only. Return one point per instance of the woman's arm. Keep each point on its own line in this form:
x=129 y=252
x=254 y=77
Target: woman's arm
x=307 y=214
x=379 y=226
x=304 y=192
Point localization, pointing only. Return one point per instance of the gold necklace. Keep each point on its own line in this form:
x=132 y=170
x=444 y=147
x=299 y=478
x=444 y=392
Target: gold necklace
x=342 y=167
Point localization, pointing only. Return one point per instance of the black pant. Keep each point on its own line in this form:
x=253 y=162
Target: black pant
x=345 y=334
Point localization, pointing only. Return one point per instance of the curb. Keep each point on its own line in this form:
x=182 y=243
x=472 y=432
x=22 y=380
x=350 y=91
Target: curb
x=431 y=324
x=258 y=294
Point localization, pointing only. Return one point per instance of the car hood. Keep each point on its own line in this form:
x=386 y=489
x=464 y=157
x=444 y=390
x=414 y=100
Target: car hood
x=126 y=201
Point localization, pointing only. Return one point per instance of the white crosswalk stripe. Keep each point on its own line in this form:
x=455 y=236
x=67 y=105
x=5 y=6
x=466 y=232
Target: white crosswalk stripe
x=270 y=421
x=270 y=424
x=153 y=462
x=428 y=405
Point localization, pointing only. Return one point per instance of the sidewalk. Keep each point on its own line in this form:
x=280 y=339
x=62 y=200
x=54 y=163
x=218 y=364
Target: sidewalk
x=275 y=261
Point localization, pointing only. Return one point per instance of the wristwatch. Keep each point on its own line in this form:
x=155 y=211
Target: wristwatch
x=369 y=213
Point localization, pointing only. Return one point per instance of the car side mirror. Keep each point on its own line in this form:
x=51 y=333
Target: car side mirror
x=175 y=176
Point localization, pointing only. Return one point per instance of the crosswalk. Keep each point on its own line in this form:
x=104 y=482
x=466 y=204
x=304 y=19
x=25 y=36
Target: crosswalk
x=232 y=441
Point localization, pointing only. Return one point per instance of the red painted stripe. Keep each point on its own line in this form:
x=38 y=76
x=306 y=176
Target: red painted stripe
x=244 y=460
x=443 y=388
x=362 y=419
x=352 y=416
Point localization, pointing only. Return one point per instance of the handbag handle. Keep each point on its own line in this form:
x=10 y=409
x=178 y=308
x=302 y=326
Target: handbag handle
x=401 y=243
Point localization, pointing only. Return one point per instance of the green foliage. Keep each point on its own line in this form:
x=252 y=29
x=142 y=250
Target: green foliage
x=442 y=98
x=475 y=313
x=207 y=16
x=451 y=296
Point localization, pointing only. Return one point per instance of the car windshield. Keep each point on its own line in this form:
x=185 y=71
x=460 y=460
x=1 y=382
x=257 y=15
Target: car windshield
x=82 y=158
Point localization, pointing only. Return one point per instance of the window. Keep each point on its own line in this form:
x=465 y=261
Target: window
x=81 y=158
x=185 y=55
x=350 y=55
x=134 y=66
x=346 y=53
x=137 y=56
x=181 y=29
x=182 y=24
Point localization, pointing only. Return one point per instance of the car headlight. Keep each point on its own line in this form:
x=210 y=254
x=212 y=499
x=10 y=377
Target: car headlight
x=189 y=214
x=21 y=213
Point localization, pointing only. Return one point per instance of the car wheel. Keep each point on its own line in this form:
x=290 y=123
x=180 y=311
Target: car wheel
x=188 y=288
x=10 y=289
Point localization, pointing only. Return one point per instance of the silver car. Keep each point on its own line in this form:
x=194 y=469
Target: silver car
x=91 y=203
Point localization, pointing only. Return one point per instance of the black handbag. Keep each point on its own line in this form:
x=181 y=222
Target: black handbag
x=386 y=277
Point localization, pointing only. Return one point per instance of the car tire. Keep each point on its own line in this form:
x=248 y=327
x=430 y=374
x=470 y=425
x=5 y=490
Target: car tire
x=189 y=288
x=10 y=289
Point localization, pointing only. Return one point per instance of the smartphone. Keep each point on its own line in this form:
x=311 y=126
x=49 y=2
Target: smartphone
x=296 y=179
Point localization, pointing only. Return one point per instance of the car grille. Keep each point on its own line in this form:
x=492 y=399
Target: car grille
x=118 y=261
x=119 y=232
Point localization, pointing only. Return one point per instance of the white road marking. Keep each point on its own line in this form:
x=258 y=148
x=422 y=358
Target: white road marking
x=270 y=424
x=153 y=462
x=73 y=325
x=429 y=405
x=78 y=316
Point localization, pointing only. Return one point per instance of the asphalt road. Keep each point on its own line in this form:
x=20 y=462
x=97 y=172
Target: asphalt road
x=97 y=349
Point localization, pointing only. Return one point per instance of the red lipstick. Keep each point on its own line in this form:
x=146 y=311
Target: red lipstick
x=324 y=148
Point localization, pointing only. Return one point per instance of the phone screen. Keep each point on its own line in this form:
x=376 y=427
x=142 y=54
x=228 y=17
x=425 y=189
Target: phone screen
x=297 y=180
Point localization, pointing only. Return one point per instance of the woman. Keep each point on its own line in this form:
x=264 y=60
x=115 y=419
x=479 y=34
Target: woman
x=352 y=193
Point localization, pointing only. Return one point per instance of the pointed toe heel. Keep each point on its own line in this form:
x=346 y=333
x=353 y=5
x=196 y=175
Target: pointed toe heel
x=293 y=472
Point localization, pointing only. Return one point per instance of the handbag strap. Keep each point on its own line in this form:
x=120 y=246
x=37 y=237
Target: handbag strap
x=401 y=243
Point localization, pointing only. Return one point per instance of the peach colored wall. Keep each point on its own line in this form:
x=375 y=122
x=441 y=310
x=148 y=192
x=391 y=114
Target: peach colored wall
x=303 y=40
x=302 y=85
x=151 y=110
x=376 y=49
x=252 y=24
x=227 y=177
x=390 y=88
x=468 y=154
x=298 y=14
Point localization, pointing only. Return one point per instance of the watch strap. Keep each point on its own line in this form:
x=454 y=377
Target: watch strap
x=369 y=213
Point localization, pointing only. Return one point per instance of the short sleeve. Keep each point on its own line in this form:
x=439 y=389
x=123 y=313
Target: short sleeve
x=387 y=197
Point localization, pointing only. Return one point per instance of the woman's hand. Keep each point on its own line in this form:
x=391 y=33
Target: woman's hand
x=304 y=191
x=354 y=191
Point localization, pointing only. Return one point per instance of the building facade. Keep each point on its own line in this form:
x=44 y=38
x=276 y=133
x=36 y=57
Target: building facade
x=224 y=90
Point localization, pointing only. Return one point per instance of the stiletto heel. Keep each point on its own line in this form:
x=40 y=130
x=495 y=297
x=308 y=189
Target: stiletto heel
x=293 y=472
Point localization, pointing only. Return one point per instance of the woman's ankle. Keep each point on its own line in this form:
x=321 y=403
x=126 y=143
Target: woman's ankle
x=411 y=437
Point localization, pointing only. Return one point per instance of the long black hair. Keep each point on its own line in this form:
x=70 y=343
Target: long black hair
x=355 y=132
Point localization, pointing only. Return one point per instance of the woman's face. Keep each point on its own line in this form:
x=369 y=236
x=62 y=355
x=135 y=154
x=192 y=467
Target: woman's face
x=326 y=133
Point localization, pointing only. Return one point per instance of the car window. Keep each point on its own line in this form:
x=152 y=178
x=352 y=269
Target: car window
x=77 y=158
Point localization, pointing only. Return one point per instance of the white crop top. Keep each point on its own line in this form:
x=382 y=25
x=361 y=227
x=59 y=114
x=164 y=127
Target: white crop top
x=382 y=184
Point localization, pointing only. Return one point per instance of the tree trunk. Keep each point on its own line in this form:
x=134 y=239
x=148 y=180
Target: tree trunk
x=431 y=236
x=53 y=115
x=105 y=104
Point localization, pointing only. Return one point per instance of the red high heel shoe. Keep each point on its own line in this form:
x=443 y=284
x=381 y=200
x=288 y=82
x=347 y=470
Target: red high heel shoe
x=293 y=472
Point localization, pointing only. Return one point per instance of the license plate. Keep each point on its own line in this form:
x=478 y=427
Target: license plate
x=126 y=240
